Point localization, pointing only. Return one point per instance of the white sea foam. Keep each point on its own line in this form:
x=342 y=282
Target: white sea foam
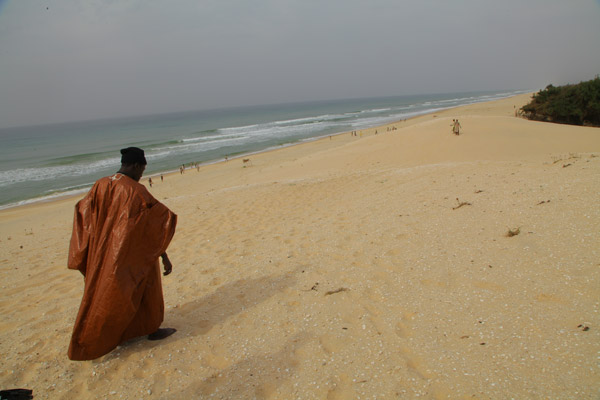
x=46 y=173
x=307 y=119
x=213 y=137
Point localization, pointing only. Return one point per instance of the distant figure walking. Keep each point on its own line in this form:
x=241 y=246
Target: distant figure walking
x=150 y=182
x=456 y=127
x=161 y=178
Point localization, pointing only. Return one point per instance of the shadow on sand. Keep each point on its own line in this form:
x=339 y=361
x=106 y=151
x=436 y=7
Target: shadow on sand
x=199 y=316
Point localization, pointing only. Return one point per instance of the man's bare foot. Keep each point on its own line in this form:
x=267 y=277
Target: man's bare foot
x=161 y=333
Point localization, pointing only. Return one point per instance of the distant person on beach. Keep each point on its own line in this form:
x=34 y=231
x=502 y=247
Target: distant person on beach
x=456 y=127
x=119 y=232
x=150 y=182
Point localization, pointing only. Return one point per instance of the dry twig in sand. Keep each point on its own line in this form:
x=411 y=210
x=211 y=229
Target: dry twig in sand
x=460 y=204
x=342 y=289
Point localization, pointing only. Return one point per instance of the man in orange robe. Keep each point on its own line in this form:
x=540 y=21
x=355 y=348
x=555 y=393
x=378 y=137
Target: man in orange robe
x=119 y=232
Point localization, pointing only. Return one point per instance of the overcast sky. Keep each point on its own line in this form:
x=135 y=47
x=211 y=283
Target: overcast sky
x=64 y=60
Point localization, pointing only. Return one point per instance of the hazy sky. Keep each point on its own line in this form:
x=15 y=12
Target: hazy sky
x=66 y=60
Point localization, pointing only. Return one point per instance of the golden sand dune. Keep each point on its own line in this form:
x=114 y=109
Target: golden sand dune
x=370 y=266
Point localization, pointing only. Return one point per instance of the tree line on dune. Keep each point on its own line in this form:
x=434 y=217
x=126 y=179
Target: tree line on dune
x=570 y=104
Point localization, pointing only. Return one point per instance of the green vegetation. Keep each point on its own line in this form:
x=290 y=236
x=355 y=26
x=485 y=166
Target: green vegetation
x=570 y=104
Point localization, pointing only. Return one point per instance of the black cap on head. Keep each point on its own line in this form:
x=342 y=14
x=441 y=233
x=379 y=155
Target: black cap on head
x=133 y=155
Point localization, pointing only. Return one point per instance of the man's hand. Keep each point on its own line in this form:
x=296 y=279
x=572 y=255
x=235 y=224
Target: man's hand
x=166 y=264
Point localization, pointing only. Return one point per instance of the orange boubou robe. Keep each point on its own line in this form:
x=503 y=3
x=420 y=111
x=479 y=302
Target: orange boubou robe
x=119 y=232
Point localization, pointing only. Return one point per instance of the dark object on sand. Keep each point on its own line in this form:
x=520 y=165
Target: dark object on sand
x=512 y=232
x=461 y=203
x=162 y=333
x=342 y=289
x=16 y=394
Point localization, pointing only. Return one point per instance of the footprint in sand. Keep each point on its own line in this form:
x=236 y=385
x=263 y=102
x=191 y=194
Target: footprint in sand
x=77 y=391
x=374 y=316
x=266 y=390
x=403 y=328
x=342 y=389
x=415 y=363
x=550 y=298
x=216 y=358
x=330 y=343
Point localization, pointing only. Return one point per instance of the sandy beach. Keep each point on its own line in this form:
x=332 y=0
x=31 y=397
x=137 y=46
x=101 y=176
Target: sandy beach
x=369 y=266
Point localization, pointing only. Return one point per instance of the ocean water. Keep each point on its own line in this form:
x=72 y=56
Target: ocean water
x=43 y=162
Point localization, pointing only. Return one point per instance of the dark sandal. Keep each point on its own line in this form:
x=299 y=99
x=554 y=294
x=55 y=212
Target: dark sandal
x=162 y=333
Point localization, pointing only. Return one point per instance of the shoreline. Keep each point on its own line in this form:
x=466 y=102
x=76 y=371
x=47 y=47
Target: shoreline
x=77 y=193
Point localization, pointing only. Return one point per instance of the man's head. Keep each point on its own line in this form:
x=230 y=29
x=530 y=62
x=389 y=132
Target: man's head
x=133 y=162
